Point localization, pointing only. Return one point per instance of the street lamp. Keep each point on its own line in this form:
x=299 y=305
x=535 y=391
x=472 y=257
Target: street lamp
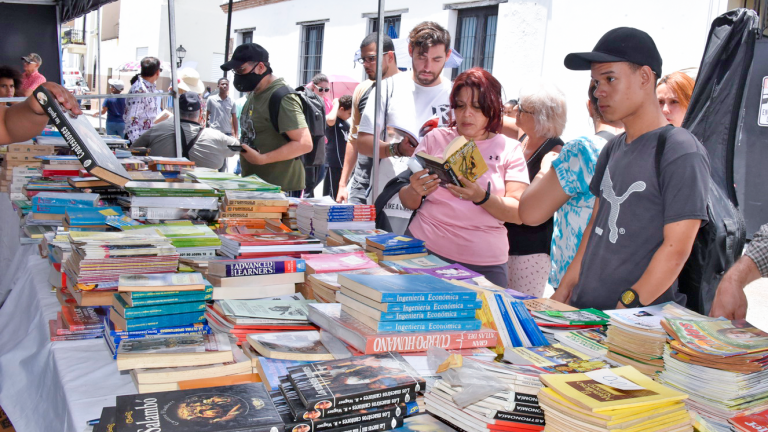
x=180 y=54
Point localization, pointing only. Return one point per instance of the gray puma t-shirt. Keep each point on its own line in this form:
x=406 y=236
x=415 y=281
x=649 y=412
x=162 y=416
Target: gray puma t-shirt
x=634 y=207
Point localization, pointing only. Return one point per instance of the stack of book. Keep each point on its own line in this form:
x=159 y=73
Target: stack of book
x=340 y=237
x=36 y=185
x=636 y=337
x=170 y=168
x=114 y=336
x=169 y=190
x=403 y=266
x=324 y=286
x=395 y=247
x=590 y=341
x=255 y=278
x=60 y=167
x=423 y=303
x=369 y=392
x=267 y=245
x=611 y=399
x=721 y=364
x=77 y=323
x=99 y=258
x=52 y=206
x=750 y=423
x=133 y=164
x=300 y=345
x=289 y=217
x=270 y=370
x=151 y=301
x=159 y=363
x=239 y=318
x=162 y=208
x=326 y=217
x=22 y=156
x=253 y=205
x=19 y=178
x=191 y=239
x=93 y=218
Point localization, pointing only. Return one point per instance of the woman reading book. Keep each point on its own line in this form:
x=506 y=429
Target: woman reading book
x=465 y=225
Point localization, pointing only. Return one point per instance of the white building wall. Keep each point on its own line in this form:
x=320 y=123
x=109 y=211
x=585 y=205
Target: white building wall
x=533 y=36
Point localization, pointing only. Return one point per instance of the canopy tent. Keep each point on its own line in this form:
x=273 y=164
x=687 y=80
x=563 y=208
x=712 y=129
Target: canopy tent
x=71 y=9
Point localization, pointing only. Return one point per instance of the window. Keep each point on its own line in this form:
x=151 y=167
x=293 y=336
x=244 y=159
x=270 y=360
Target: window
x=247 y=37
x=311 y=60
x=109 y=73
x=141 y=52
x=216 y=72
x=391 y=22
x=476 y=37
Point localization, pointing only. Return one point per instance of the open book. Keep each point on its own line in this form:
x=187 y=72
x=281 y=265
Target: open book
x=461 y=158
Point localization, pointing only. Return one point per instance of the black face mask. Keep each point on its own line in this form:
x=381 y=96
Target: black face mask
x=249 y=82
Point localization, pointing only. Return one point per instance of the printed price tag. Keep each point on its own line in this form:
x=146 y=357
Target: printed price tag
x=609 y=378
x=352 y=260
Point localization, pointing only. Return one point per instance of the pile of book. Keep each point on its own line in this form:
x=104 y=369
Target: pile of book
x=611 y=399
x=52 y=206
x=168 y=190
x=554 y=323
x=403 y=266
x=20 y=158
x=252 y=183
x=750 y=423
x=395 y=247
x=325 y=285
x=191 y=239
x=170 y=168
x=341 y=237
x=77 y=323
x=636 y=338
x=721 y=364
x=293 y=345
x=367 y=392
x=99 y=258
x=253 y=205
x=326 y=217
x=240 y=318
x=162 y=208
x=59 y=167
x=255 y=278
x=590 y=341
x=267 y=245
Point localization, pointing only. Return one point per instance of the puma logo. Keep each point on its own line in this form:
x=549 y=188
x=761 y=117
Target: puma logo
x=609 y=195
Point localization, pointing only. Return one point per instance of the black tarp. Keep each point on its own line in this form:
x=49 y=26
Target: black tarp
x=23 y=34
x=71 y=9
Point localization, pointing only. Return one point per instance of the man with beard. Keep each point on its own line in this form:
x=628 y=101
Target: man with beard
x=408 y=101
x=360 y=165
x=277 y=152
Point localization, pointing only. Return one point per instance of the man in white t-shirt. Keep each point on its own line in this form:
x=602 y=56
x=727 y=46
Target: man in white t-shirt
x=408 y=101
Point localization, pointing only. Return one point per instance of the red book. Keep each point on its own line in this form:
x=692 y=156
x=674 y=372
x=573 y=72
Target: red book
x=330 y=317
x=61 y=173
x=80 y=318
x=757 y=422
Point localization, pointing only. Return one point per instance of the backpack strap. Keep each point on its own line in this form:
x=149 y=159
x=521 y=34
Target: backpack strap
x=661 y=144
x=274 y=107
x=186 y=147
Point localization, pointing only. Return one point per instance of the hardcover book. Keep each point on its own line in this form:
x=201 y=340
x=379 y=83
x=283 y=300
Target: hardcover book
x=405 y=288
x=393 y=241
x=300 y=345
x=256 y=267
x=347 y=382
x=106 y=421
x=460 y=158
x=215 y=409
x=65 y=199
x=82 y=138
x=79 y=318
x=376 y=315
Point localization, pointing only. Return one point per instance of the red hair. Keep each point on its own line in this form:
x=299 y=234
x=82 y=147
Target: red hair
x=488 y=91
x=681 y=85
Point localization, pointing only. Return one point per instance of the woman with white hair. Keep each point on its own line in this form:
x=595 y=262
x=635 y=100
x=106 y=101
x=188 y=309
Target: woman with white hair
x=541 y=115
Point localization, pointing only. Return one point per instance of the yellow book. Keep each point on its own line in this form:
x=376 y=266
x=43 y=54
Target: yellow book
x=587 y=393
x=548 y=355
x=460 y=158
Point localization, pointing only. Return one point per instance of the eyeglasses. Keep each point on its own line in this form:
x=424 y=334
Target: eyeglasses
x=520 y=109
x=323 y=89
x=370 y=58
x=241 y=69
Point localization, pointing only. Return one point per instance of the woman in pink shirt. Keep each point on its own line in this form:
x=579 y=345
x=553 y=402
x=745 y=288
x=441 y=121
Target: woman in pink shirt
x=466 y=224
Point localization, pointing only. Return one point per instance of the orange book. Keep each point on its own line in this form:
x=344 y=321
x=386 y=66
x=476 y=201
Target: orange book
x=219 y=381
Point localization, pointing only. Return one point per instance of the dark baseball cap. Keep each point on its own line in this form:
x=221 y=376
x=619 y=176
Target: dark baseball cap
x=189 y=101
x=623 y=44
x=244 y=54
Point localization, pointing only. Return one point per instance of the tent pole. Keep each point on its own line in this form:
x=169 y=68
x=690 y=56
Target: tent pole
x=229 y=28
x=172 y=38
x=98 y=59
x=378 y=124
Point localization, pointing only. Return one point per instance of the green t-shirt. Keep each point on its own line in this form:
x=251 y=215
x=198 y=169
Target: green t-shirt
x=255 y=127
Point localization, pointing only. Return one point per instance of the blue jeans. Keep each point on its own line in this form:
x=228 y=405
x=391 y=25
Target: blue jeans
x=116 y=128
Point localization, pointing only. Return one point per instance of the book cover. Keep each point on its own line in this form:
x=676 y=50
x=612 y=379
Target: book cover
x=649 y=317
x=757 y=422
x=215 y=409
x=424 y=423
x=577 y=317
x=194 y=296
x=131 y=312
x=721 y=338
x=298 y=410
x=267 y=309
x=461 y=158
x=65 y=199
x=544 y=355
x=301 y=345
x=135 y=295
x=393 y=241
x=78 y=318
x=256 y=267
x=406 y=288
x=452 y=271
x=347 y=382
x=144 y=282
x=82 y=216
x=106 y=421
x=159 y=321
x=429 y=261
x=90 y=149
x=334 y=263
x=378 y=315
x=411 y=307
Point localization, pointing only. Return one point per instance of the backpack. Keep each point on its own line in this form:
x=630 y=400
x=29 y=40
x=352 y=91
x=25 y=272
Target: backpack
x=313 y=108
x=717 y=246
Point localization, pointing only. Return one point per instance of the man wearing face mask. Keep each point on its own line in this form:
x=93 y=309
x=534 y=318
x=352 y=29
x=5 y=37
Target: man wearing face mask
x=276 y=159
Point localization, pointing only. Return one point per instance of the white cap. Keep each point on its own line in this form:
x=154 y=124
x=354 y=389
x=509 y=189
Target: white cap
x=116 y=83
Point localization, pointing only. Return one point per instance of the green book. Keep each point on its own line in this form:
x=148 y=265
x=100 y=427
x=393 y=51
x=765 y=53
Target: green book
x=155 y=294
x=119 y=304
x=577 y=317
x=182 y=297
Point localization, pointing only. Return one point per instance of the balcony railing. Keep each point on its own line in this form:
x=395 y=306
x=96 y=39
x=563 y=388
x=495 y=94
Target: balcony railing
x=73 y=36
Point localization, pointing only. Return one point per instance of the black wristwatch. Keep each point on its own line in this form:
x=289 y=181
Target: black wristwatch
x=630 y=299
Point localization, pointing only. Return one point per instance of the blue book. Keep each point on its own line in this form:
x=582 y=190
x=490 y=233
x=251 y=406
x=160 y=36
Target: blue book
x=135 y=295
x=91 y=216
x=195 y=328
x=256 y=267
x=66 y=198
x=153 y=301
x=404 y=251
x=182 y=319
x=428 y=326
x=530 y=327
x=393 y=241
x=416 y=307
x=128 y=312
x=54 y=209
x=510 y=326
x=405 y=288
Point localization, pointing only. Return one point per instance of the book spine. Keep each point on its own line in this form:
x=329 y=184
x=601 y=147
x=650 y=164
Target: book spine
x=424 y=326
x=529 y=325
x=427 y=297
x=513 y=318
x=501 y=325
x=384 y=424
x=160 y=331
x=363 y=400
x=163 y=309
x=38 y=200
x=383 y=419
x=518 y=418
x=265 y=267
x=406 y=316
x=434 y=306
x=452 y=174
x=117 y=339
x=153 y=301
x=152 y=294
x=164 y=321
x=50 y=209
x=422 y=342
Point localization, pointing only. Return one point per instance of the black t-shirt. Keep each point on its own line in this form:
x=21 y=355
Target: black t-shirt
x=529 y=240
x=336 y=146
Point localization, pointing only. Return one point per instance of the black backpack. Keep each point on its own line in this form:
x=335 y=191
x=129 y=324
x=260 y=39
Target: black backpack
x=717 y=246
x=314 y=113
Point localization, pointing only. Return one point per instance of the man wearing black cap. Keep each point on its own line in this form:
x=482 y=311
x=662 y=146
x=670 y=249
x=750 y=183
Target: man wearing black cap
x=276 y=158
x=206 y=147
x=644 y=223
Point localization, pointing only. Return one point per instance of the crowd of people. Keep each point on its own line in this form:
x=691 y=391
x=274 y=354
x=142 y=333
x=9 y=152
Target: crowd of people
x=594 y=217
